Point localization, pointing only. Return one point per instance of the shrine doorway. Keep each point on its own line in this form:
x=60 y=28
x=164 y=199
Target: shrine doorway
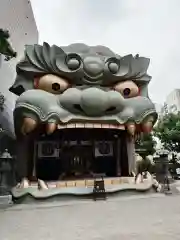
x=80 y=153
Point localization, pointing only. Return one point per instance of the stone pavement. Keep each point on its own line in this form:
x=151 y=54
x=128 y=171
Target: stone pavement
x=176 y=186
x=149 y=217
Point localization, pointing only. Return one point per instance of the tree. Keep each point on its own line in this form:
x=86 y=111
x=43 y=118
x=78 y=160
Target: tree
x=145 y=145
x=168 y=131
x=5 y=46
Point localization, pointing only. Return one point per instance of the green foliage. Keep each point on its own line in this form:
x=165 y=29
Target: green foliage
x=5 y=47
x=144 y=165
x=168 y=131
x=145 y=145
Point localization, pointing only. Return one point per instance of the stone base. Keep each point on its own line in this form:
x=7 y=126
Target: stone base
x=81 y=189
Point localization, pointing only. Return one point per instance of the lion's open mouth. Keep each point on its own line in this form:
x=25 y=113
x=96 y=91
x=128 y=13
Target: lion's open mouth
x=83 y=150
x=30 y=125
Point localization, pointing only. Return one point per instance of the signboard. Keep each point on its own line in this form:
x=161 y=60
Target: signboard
x=48 y=149
x=103 y=149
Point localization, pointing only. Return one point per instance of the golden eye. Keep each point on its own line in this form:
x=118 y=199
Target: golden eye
x=51 y=83
x=127 y=88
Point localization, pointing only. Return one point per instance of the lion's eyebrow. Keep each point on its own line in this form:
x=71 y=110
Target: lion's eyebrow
x=45 y=59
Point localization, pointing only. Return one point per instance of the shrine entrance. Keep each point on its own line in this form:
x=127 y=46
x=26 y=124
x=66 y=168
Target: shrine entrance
x=80 y=155
x=76 y=160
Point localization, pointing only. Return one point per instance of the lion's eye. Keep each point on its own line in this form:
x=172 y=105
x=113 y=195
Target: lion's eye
x=73 y=63
x=113 y=67
x=51 y=83
x=127 y=88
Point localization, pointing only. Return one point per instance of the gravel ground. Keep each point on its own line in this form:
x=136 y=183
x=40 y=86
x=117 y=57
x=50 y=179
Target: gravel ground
x=132 y=217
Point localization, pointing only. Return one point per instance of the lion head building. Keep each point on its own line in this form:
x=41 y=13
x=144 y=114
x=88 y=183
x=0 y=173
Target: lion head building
x=78 y=111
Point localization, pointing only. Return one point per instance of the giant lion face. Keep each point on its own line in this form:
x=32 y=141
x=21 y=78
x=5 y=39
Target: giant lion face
x=82 y=86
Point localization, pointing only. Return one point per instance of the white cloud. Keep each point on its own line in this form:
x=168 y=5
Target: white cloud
x=150 y=28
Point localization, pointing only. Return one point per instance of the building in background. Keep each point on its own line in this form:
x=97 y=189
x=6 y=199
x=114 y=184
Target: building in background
x=17 y=17
x=159 y=110
x=172 y=103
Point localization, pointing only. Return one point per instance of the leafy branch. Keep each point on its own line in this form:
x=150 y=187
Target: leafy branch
x=168 y=131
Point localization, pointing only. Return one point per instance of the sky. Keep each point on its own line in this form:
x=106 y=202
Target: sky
x=150 y=28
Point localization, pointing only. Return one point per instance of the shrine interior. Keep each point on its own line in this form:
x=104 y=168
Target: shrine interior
x=70 y=154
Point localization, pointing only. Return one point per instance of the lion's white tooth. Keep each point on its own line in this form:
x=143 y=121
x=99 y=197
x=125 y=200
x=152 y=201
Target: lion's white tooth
x=23 y=184
x=91 y=125
x=105 y=126
x=112 y=126
x=88 y=125
x=61 y=126
x=42 y=185
x=131 y=128
x=28 y=126
x=79 y=125
x=121 y=127
x=97 y=125
x=71 y=125
x=50 y=128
